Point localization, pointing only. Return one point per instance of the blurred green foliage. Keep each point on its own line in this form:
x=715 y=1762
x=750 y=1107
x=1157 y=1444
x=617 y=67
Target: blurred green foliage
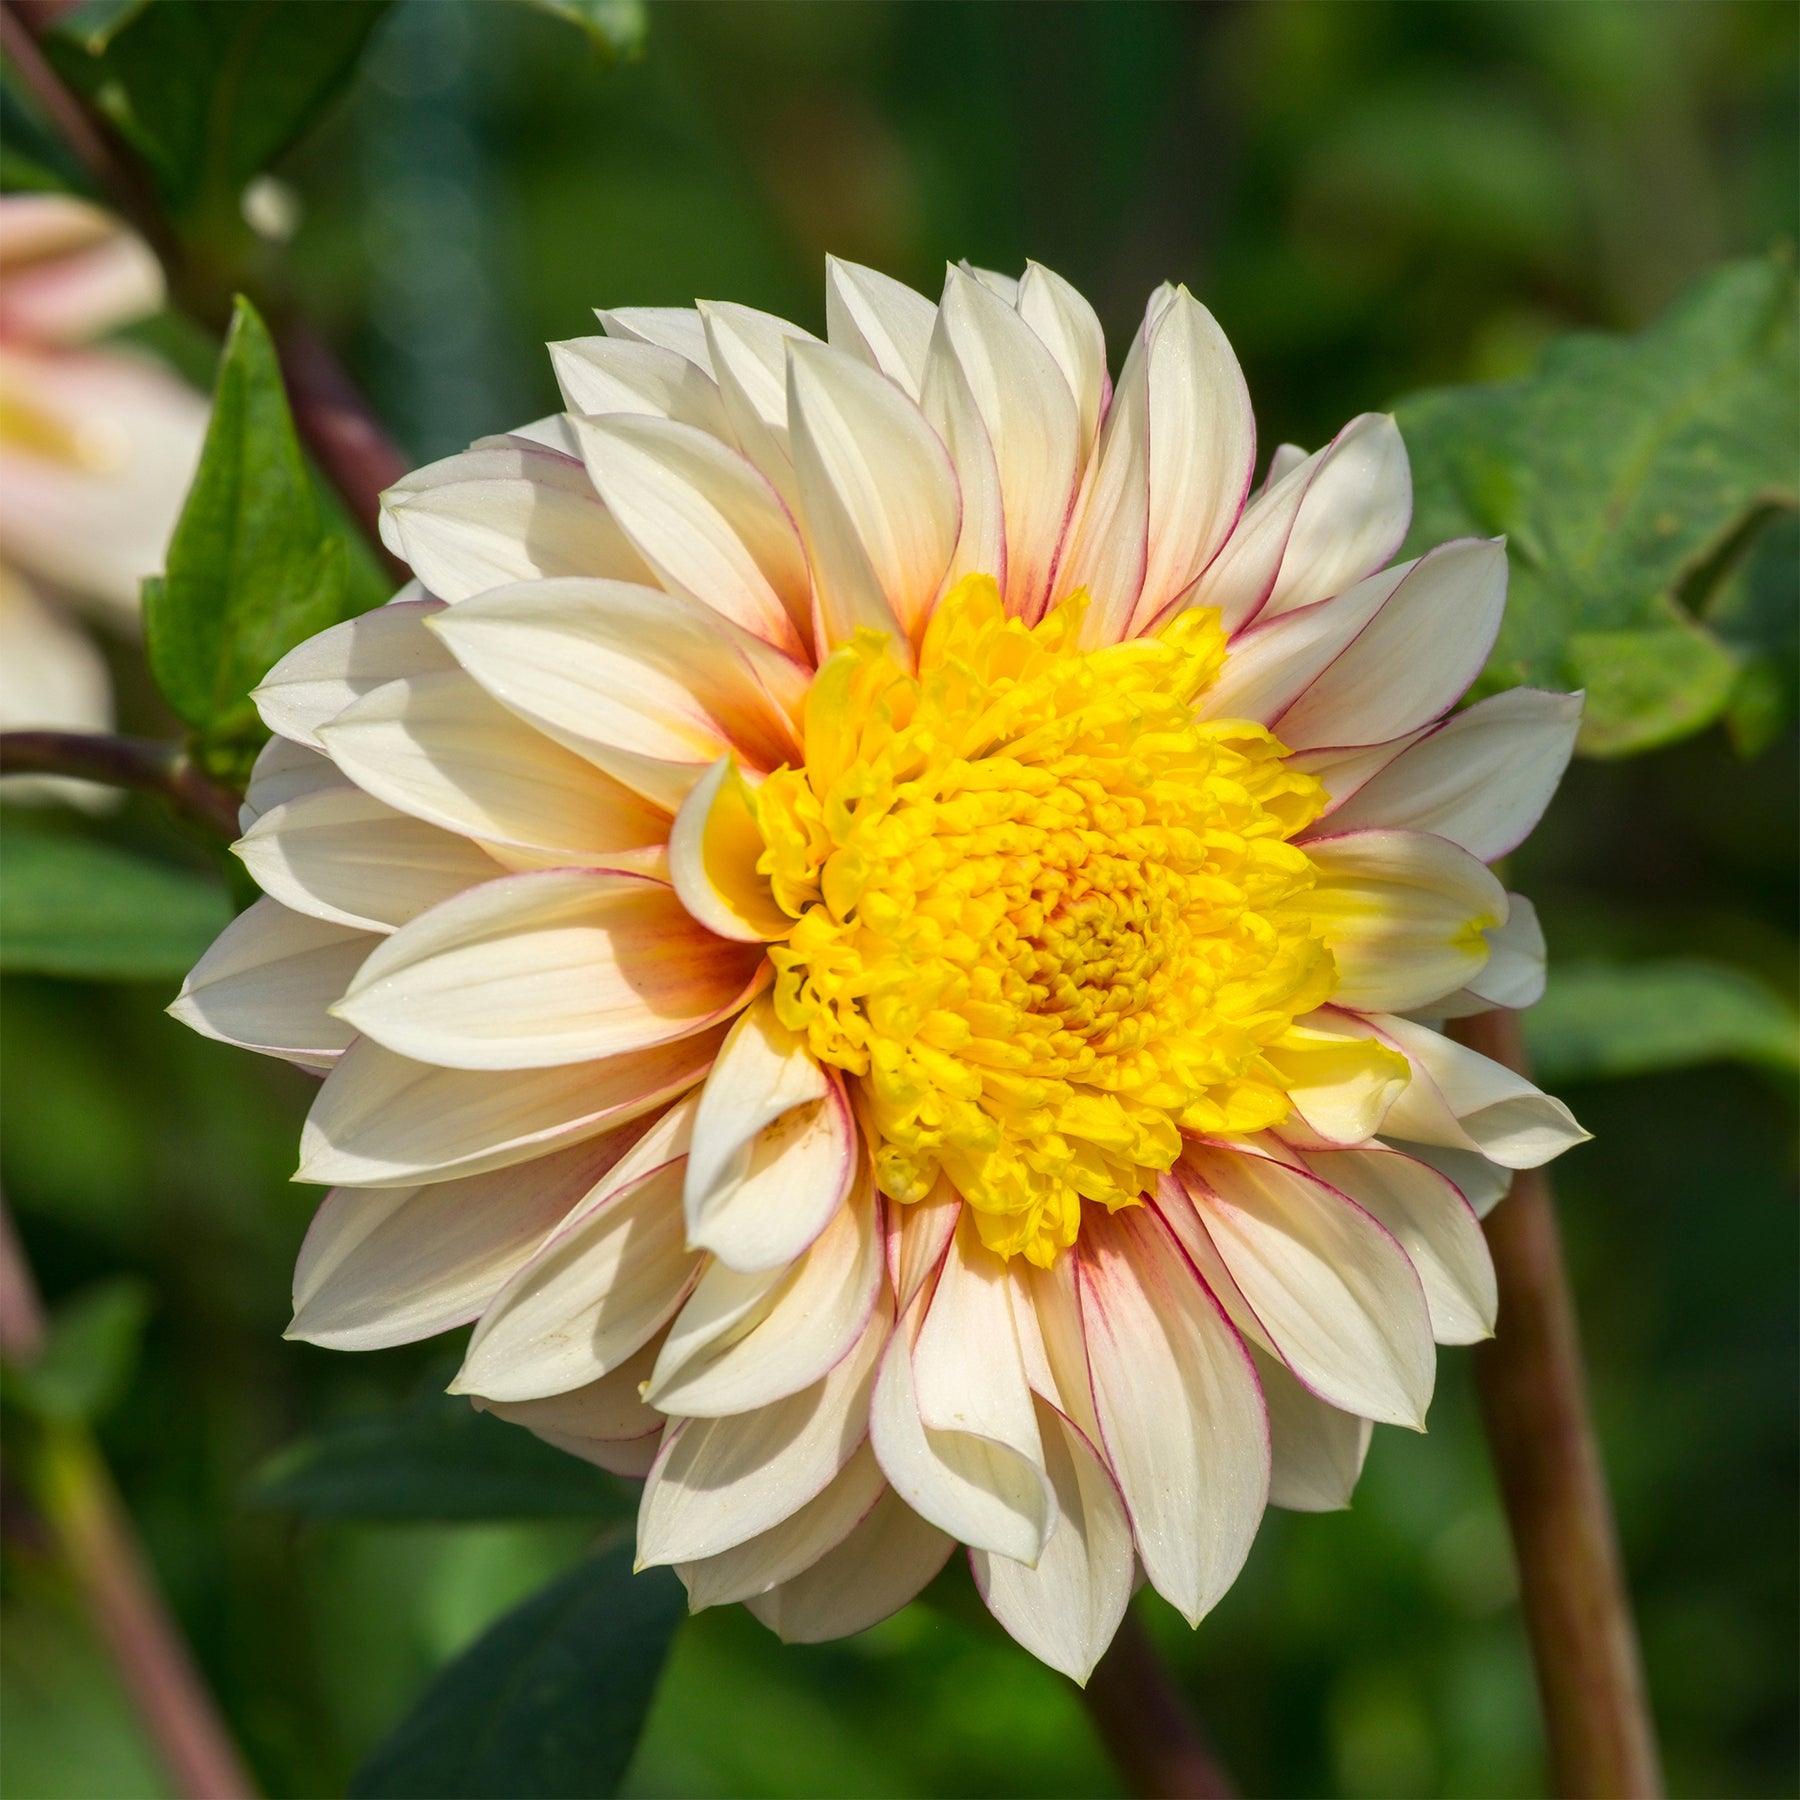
x=1375 y=200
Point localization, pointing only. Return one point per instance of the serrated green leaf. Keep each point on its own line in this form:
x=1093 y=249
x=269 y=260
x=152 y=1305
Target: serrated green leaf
x=252 y=568
x=1616 y=473
x=617 y=27
x=548 y=1703
x=1600 y=1019
x=439 y=1459
x=76 y=907
x=89 y=1357
x=210 y=92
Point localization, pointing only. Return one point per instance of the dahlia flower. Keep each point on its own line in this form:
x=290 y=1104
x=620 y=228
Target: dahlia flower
x=97 y=447
x=877 y=923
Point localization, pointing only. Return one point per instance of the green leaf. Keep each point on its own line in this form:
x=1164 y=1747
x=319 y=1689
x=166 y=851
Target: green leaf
x=1618 y=474
x=210 y=92
x=1600 y=1019
x=89 y=1357
x=73 y=906
x=1756 y=610
x=252 y=568
x=439 y=1459
x=547 y=1703
x=617 y=27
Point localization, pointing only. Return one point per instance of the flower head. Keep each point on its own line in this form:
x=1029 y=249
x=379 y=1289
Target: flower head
x=878 y=927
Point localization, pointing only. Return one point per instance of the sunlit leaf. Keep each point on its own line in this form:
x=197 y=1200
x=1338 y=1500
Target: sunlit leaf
x=252 y=568
x=73 y=906
x=617 y=27
x=1601 y=1019
x=547 y=1703
x=439 y=1459
x=89 y=1356
x=1617 y=474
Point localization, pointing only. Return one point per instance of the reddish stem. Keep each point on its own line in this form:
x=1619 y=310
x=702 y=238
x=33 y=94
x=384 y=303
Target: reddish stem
x=145 y=764
x=1540 y=1431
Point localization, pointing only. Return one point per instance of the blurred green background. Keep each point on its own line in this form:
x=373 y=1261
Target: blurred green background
x=1372 y=198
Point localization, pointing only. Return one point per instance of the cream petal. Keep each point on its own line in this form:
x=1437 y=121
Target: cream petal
x=879 y=320
x=382 y=1120
x=343 y=855
x=674 y=328
x=950 y=409
x=614 y=375
x=600 y=1288
x=318 y=679
x=1432 y=1223
x=1414 y=659
x=384 y=1266
x=1335 y=1293
x=714 y=850
x=1514 y=975
x=1283 y=461
x=1032 y=421
x=875 y=1571
x=555 y=967
x=268 y=983
x=918 y=1234
x=605 y=1413
x=1403 y=913
x=1340 y=1077
x=1070 y=330
x=1180 y=1413
x=441 y=749
x=1202 y=449
x=704 y=520
x=487 y=518
x=1066 y=1610
x=720 y=1482
x=1341 y=772
x=285 y=771
x=652 y=685
x=1317 y=1450
x=1464 y=1101
x=793 y=1546
x=1482 y=1183
x=793 y=1335
x=1482 y=779
x=1056 y=1352
x=879 y=504
x=1005 y=286
x=749 y=358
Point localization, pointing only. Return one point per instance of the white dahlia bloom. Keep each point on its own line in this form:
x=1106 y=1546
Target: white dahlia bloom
x=878 y=925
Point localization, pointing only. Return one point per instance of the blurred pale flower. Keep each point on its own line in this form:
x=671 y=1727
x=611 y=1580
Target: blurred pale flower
x=878 y=930
x=97 y=447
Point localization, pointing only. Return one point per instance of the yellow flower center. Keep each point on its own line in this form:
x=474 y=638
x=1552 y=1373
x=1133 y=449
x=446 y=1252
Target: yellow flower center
x=1049 y=918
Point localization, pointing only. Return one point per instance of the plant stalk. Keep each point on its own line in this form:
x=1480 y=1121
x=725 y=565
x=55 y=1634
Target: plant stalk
x=1540 y=1432
x=145 y=764
x=73 y=1488
x=1145 y=1725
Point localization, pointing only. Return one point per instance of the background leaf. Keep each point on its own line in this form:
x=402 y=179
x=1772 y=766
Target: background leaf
x=439 y=1459
x=1617 y=473
x=617 y=27
x=1603 y=1019
x=89 y=1356
x=547 y=1703
x=210 y=92
x=71 y=906
x=252 y=567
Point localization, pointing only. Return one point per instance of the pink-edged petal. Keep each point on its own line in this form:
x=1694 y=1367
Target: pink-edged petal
x=949 y=406
x=705 y=520
x=384 y=1266
x=605 y=1422
x=918 y=1234
x=1341 y=1078
x=1180 y=1412
x=614 y=375
x=555 y=967
x=603 y=1284
x=318 y=679
x=1070 y=330
x=1317 y=1450
x=714 y=850
x=1332 y=1289
x=382 y=1120
x=269 y=982
x=881 y=321
x=440 y=748
x=1432 y=1223
x=720 y=1482
x=1482 y=1183
x=486 y=518
x=875 y=1571
x=1482 y=779
x=879 y=503
x=1465 y=1101
x=749 y=359
x=1403 y=913
x=1066 y=1610
x=1414 y=659
x=653 y=686
x=722 y=1356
